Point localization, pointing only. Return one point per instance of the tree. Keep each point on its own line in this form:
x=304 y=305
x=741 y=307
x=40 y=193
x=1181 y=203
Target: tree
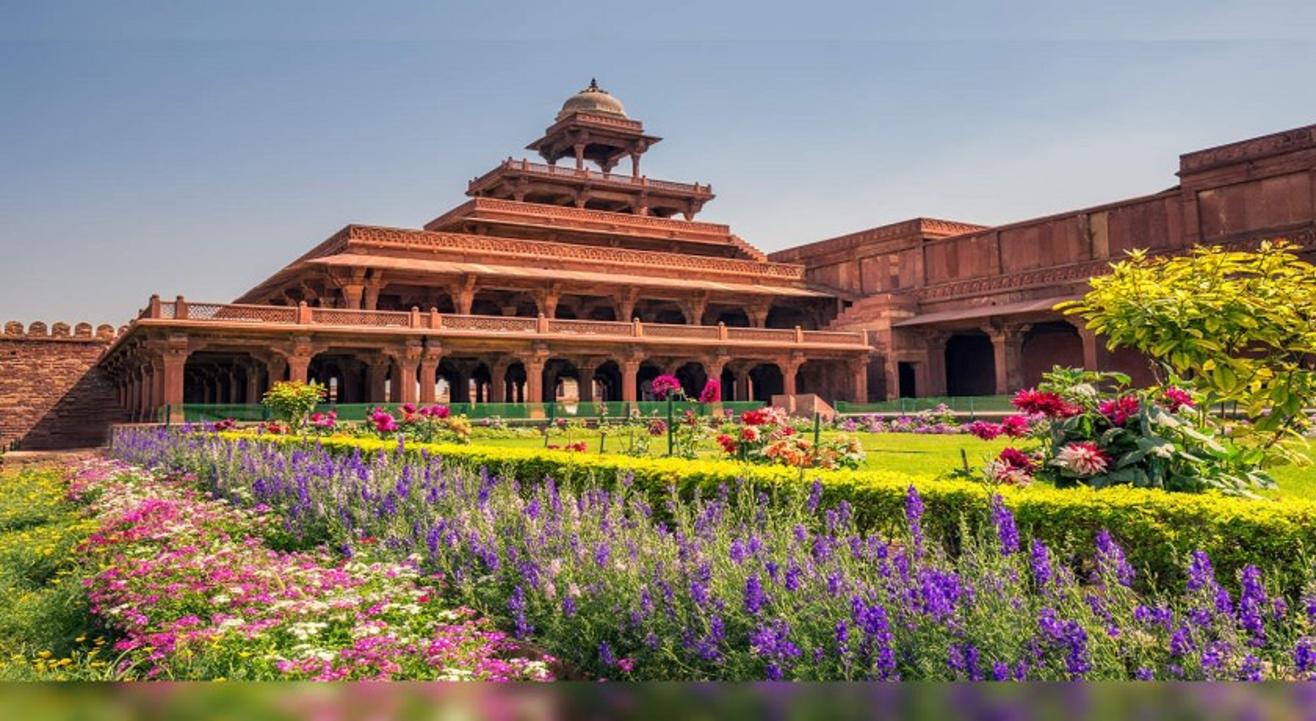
x=1238 y=326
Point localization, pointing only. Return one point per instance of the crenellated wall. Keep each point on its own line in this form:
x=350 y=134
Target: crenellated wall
x=52 y=395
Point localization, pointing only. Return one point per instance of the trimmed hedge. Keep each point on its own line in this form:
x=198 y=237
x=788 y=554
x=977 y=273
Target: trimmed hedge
x=1156 y=528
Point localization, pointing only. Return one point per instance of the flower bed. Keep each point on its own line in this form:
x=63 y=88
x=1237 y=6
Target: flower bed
x=735 y=584
x=1154 y=526
x=191 y=589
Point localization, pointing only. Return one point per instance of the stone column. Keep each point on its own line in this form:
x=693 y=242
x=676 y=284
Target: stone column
x=630 y=371
x=173 y=359
x=625 y=305
x=743 y=390
x=429 y=369
x=713 y=367
x=498 y=381
x=252 y=394
x=585 y=381
x=1007 y=347
x=352 y=295
x=859 y=380
x=155 y=389
x=758 y=314
x=534 y=377
x=934 y=380
x=789 y=369
x=408 y=361
x=1091 y=347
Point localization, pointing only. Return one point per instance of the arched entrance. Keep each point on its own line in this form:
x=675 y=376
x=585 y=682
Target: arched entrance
x=766 y=380
x=970 y=365
x=1047 y=345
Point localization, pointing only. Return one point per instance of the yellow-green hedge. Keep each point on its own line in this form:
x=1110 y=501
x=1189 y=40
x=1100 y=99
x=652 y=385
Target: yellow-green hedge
x=1156 y=528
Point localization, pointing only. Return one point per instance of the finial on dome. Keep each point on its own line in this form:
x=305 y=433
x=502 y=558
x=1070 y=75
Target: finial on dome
x=594 y=85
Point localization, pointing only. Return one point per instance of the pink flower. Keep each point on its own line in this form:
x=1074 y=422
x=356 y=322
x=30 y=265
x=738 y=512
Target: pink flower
x=1120 y=410
x=712 y=392
x=384 y=422
x=984 y=430
x=1083 y=458
x=1177 y=398
x=1015 y=458
x=1015 y=426
x=665 y=385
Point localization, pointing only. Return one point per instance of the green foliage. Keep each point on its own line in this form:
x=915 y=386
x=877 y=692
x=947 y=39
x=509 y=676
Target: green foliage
x=293 y=401
x=1149 y=440
x=1239 y=326
x=1155 y=527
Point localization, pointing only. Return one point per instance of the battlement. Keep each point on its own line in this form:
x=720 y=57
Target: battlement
x=38 y=330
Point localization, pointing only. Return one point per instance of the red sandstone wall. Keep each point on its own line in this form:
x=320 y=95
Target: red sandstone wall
x=51 y=394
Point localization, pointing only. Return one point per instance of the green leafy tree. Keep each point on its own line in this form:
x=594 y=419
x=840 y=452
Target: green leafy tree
x=1237 y=326
x=293 y=401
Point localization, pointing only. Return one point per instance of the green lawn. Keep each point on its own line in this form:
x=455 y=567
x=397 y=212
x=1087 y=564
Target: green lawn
x=911 y=453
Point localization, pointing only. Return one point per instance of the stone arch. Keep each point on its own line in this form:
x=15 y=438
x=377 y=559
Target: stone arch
x=342 y=374
x=782 y=316
x=562 y=379
x=608 y=378
x=731 y=317
x=693 y=376
x=514 y=382
x=970 y=364
x=644 y=378
x=766 y=381
x=218 y=377
x=1049 y=344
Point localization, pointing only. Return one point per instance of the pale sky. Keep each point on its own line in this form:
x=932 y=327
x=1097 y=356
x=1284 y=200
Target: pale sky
x=195 y=148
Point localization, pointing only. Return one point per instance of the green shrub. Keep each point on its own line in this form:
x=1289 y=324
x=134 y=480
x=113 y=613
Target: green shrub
x=1155 y=527
x=293 y=401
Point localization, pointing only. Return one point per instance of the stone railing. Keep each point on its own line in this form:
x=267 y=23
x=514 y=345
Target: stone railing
x=458 y=325
x=545 y=170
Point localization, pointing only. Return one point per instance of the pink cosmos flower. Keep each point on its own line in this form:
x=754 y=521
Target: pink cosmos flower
x=1083 y=458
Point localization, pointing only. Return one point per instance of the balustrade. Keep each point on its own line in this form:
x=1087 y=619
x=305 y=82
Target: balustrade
x=303 y=315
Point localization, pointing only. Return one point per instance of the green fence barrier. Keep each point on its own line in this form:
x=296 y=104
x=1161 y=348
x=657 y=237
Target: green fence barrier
x=589 y=410
x=958 y=404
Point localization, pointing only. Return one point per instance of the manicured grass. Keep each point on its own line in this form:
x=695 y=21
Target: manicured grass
x=923 y=454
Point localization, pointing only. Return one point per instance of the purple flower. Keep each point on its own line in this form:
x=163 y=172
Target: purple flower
x=1006 y=531
x=1041 y=563
x=1200 y=573
x=755 y=599
x=606 y=657
x=1110 y=559
x=1252 y=605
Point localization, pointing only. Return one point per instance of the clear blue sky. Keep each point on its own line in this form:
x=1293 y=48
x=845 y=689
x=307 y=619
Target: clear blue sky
x=187 y=147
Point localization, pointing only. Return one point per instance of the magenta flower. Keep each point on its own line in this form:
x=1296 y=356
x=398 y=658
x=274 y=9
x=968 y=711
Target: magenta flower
x=712 y=392
x=665 y=385
x=1177 y=398
x=1120 y=410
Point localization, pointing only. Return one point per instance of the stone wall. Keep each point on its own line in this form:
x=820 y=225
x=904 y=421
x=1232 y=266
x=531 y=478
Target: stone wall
x=52 y=395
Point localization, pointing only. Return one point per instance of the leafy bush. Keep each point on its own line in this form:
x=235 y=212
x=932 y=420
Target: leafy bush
x=293 y=401
x=1239 y=326
x=1154 y=526
x=1099 y=432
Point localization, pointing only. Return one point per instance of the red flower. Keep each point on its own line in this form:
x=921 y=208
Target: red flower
x=665 y=385
x=1177 y=398
x=1015 y=458
x=1048 y=404
x=1120 y=410
x=756 y=417
x=727 y=442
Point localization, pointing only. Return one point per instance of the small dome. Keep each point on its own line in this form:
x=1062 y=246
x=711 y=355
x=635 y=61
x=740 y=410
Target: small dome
x=592 y=100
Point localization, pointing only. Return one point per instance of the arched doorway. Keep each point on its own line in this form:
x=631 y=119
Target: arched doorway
x=766 y=380
x=970 y=365
x=1047 y=345
x=692 y=377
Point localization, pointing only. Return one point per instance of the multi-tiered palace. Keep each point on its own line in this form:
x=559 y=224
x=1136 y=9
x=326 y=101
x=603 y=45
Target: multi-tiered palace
x=577 y=275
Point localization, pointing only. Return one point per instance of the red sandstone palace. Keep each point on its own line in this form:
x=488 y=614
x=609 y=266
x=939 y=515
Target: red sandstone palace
x=581 y=275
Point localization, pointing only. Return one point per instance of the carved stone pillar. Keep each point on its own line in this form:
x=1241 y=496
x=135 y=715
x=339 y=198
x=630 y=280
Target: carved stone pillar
x=498 y=381
x=534 y=377
x=407 y=361
x=859 y=380
x=377 y=377
x=278 y=366
x=1091 y=347
x=743 y=390
x=252 y=373
x=758 y=314
x=790 y=368
x=625 y=305
x=585 y=382
x=429 y=370
x=546 y=301
x=1007 y=348
x=463 y=295
x=352 y=293
x=630 y=372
